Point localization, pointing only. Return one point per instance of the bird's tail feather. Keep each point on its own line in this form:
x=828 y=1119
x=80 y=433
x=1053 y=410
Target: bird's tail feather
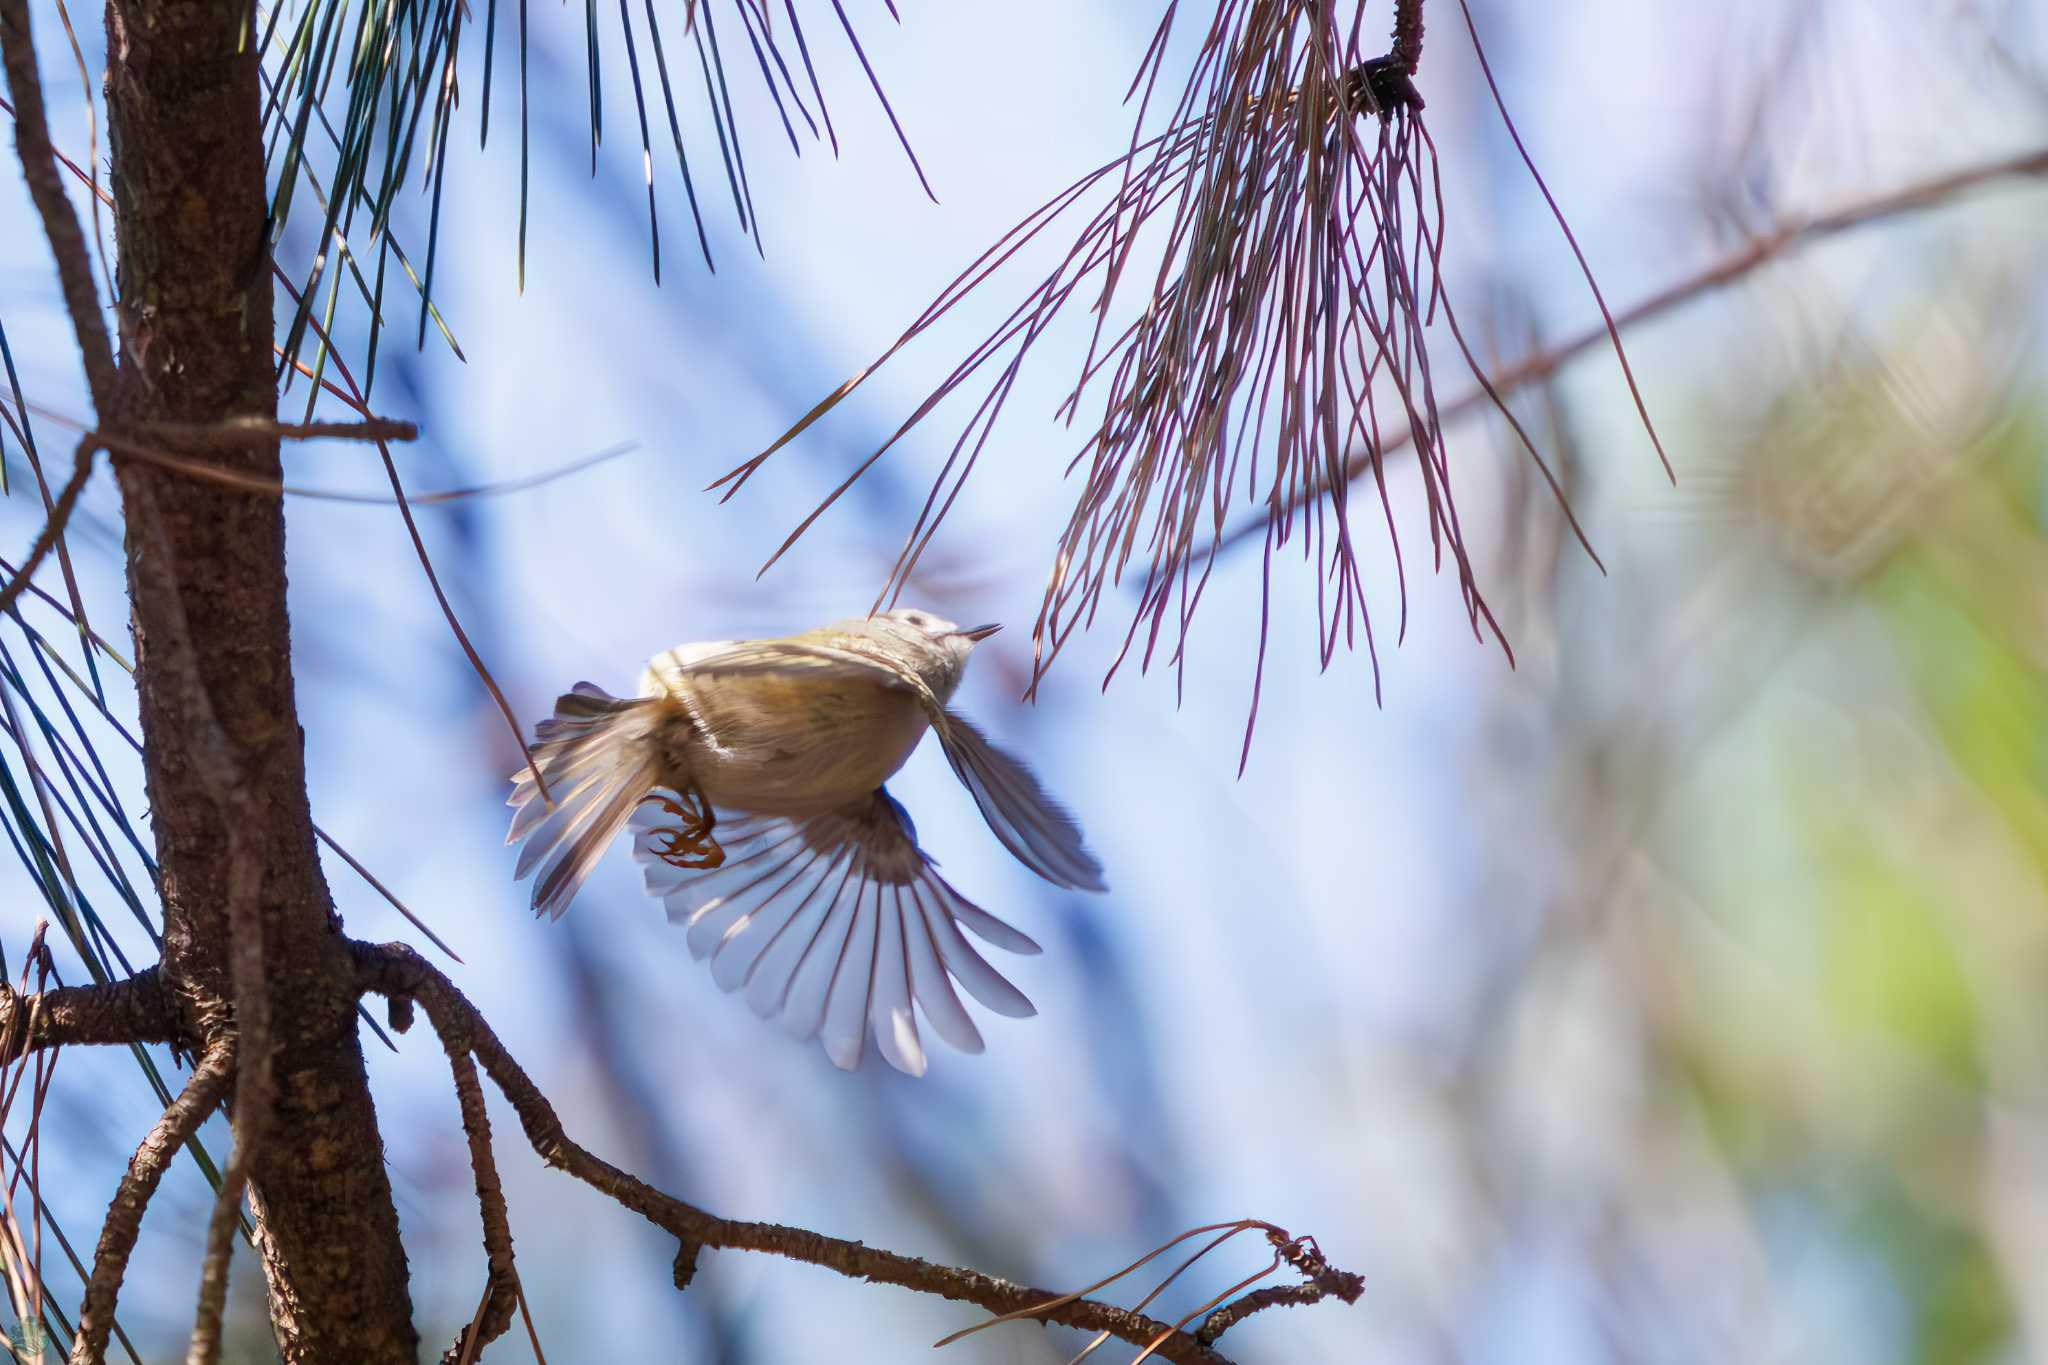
x=600 y=760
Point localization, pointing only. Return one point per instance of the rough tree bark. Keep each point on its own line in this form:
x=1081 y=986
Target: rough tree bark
x=206 y=568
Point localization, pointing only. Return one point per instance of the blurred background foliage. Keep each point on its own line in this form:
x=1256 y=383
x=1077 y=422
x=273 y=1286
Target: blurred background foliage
x=1680 y=994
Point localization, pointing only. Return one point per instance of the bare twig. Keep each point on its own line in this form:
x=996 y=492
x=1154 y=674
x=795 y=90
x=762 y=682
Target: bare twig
x=1321 y=1281
x=215 y=436
x=132 y=1010
x=53 y=527
x=501 y=1291
x=1237 y=1310
x=1765 y=247
x=1407 y=48
x=395 y=970
x=202 y=1093
x=1390 y=80
x=232 y=432
x=227 y=433
x=60 y=221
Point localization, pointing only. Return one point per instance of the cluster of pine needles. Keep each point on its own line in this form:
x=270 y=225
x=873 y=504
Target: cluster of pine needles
x=1276 y=251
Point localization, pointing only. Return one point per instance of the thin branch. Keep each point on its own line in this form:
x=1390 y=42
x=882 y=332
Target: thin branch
x=211 y=436
x=46 y=188
x=201 y=1095
x=226 y=433
x=396 y=971
x=1390 y=80
x=1237 y=1310
x=1407 y=48
x=1762 y=249
x=501 y=1290
x=132 y=1010
x=53 y=527
x=232 y=432
x=1321 y=1281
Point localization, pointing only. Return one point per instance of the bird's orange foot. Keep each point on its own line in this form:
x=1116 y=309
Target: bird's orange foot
x=689 y=844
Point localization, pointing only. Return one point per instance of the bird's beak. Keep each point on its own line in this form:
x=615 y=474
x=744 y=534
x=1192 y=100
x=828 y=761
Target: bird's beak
x=980 y=633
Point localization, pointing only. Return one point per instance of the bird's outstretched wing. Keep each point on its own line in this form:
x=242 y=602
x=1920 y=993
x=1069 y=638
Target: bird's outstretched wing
x=1021 y=812
x=836 y=924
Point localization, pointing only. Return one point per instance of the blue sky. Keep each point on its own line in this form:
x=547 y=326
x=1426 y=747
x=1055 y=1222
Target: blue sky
x=1265 y=1015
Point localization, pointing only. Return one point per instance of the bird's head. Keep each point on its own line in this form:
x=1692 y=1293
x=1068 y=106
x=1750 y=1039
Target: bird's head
x=937 y=648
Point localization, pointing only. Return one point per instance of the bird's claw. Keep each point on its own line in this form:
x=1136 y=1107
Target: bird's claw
x=689 y=844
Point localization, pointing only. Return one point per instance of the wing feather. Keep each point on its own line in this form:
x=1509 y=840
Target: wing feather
x=930 y=984
x=839 y=927
x=775 y=969
x=969 y=967
x=853 y=981
x=889 y=1011
x=810 y=985
x=1022 y=813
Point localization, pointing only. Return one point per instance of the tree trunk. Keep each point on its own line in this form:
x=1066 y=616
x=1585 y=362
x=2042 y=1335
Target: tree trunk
x=206 y=567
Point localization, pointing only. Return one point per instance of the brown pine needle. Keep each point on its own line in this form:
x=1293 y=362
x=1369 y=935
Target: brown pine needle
x=385 y=892
x=1193 y=1313
x=1585 y=267
x=1142 y=1304
x=1150 y=1256
x=1297 y=215
x=533 y=1338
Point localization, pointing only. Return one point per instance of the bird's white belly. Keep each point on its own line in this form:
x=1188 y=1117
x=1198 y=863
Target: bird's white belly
x=797 y=746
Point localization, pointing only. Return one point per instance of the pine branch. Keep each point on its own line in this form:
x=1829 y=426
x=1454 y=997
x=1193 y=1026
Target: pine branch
x=402 y=976
x=46 y=188
x=201 y=1095
x=501 y=1287
x=132 y=1010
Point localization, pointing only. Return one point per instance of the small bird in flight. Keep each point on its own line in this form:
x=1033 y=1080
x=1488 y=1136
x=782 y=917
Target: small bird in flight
x=752 y=772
